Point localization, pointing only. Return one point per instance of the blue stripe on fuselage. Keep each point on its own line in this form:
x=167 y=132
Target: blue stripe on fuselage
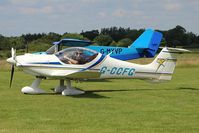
x=49 y=63
x=96 y=63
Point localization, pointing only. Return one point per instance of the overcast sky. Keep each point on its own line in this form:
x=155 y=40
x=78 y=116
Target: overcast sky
x=37 y=16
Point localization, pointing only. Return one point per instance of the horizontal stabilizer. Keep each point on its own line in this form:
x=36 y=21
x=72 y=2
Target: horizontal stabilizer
x=176 y=50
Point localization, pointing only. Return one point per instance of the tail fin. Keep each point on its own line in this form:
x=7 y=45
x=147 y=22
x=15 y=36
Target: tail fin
x=148 y=42
x=165 y=62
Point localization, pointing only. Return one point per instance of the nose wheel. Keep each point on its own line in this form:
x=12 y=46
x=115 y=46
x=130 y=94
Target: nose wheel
x=34 y=88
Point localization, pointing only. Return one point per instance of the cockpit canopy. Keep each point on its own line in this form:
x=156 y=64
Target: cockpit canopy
x=67 y=42
x=76 y=55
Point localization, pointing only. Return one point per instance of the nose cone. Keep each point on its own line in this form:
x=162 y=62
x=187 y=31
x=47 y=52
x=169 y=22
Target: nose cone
x=11 y=61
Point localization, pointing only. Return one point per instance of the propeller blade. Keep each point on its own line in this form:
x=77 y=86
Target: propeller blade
x=13 y=53
x=12 y=74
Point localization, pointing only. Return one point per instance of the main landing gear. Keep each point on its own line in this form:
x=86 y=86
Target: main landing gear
x=65 y=90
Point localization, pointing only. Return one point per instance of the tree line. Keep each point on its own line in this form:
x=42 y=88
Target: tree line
x=113 y=36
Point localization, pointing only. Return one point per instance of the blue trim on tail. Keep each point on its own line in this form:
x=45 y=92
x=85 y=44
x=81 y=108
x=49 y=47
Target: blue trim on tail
x=144 y=40
x=154 y=44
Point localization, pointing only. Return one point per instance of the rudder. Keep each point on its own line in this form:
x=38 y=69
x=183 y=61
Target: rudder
x=164 y=64
x=148 y=43
x=143 y=41
x=154 y=44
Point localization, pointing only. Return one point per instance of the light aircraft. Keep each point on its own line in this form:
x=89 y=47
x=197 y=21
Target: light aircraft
x=146 y=45
x=77 y=63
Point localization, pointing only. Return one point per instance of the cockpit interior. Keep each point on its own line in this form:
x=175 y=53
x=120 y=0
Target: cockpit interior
x=76 y=55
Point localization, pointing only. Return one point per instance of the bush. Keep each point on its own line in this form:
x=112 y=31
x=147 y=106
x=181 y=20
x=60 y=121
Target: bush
x=73 y=36
x=124 y=42
x=103 y=40
x=38 y=46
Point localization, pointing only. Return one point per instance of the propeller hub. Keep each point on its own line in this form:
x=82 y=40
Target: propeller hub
x=11 y=61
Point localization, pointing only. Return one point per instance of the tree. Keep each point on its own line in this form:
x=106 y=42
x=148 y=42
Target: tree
x=31 y=37
x=39 y=45
x=103 y=40
x=163 y=42
x=124 y=42
x=90 y=34
x=115 y=33
x=51 y=37
x=17 y=42
x=176 y=36
x=191 y=38
x=134 y=34
x=4 y=43
x=73 y=36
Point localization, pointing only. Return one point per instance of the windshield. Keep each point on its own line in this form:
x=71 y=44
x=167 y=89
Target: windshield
x=76 y=55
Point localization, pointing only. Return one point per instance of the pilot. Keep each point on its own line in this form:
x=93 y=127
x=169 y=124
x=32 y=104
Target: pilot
x=79 y=56
x=70 y=60
x=76 y=58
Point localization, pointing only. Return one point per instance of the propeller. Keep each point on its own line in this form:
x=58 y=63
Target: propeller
x=12 y=74
x=12 y=61
x=13 y=53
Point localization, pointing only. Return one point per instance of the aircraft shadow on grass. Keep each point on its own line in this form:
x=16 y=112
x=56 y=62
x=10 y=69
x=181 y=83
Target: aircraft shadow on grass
x=88 y=93
x=96 y=80
x=188 y=88
x=94 y=93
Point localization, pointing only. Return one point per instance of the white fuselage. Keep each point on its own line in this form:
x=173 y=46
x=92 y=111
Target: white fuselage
x=81 y=63
x=101 y=67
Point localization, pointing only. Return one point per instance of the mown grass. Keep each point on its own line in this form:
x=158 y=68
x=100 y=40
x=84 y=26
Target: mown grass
x=108 y=106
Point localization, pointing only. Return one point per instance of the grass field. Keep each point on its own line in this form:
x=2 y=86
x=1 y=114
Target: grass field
x=108 y=106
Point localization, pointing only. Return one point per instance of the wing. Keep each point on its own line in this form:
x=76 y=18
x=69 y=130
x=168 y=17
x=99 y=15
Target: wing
x=76 y=74
x=63 y=73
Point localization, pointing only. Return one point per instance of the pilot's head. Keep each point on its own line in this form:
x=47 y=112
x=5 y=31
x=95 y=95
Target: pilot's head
x=78 y=52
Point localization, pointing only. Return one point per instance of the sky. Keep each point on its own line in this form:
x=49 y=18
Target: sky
x=19 y=17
